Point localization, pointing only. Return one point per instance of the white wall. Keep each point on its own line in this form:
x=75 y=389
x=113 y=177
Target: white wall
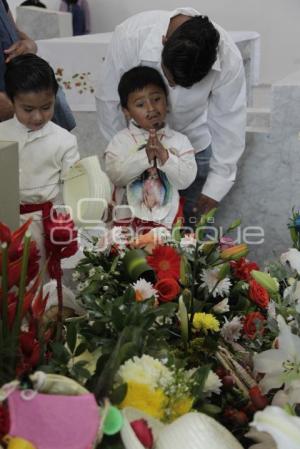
x=276 y=20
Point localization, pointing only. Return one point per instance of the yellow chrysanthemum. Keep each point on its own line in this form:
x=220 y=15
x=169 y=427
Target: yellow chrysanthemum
x=181 y=407
x=205 y=322
x=146 y=399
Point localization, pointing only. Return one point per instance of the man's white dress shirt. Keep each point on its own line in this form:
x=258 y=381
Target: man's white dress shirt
x=126 y=159
x=211 y=111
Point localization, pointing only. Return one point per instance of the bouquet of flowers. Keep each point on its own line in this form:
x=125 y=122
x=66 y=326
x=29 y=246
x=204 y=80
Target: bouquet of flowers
x=193 y=304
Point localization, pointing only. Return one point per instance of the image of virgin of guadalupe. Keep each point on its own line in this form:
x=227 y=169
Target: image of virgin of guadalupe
x=150 y=195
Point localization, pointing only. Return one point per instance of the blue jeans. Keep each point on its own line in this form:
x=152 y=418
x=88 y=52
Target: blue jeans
x=191 y=194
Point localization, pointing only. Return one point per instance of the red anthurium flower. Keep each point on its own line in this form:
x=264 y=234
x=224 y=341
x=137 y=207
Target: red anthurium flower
x=242 y=268
x=30 y=352
x=165 y=261
x=168 y=289
x=60 y=241
x=39 y=304
x=16 y=245
x=143 y=432
x=254 y=324
x=258 y=294
x=5 y=234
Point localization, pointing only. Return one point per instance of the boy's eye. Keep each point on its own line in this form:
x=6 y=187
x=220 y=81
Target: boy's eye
x=46 y=108
x=28 y=109
x=156 y=99
x=139 y=105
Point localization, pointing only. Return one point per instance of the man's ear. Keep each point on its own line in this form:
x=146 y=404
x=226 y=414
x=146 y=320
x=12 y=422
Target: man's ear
x=163 y=39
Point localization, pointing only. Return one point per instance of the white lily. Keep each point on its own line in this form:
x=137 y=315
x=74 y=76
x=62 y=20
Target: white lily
x=283 y=428
x=282 y=365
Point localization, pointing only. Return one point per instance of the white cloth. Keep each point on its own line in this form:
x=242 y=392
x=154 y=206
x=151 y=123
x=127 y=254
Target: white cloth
x=211 y=111
x=44 y=157
x=124 y=162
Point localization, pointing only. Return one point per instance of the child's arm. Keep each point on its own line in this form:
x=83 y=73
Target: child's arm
x=180 y=168
x=70 y=154
x=121 y=165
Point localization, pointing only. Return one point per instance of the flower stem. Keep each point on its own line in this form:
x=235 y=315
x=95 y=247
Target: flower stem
x=22 y=285
x=60 y=306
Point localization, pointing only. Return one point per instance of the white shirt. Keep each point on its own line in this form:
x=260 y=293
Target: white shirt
x=44 y=158
x=125 y=161
x=211 y=111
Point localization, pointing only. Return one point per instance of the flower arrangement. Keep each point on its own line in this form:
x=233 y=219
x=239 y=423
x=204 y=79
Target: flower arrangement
x=177 y=323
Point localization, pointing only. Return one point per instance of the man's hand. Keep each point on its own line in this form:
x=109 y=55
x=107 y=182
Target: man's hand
x=204 y=205
x=20 y=47
x=6 y=107
x=24 y=45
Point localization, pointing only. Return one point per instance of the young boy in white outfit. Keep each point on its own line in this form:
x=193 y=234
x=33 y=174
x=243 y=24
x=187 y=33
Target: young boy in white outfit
x=148 y=162
x=46 y=151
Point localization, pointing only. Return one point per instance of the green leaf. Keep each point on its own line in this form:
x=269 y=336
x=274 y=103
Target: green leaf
x=60 y=353
x=185 y=271
x=233 y=225
x=102 y=362
x=210 y=409
x=128 y=350
x=80 y=349
x=117 y=318
x=118 y=394
x=71 y=336
x=176 y=234
x=200 y=377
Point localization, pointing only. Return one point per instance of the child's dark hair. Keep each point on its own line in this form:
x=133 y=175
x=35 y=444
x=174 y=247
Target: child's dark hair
x=28 y=73
x=136 y=79
x=190 y=52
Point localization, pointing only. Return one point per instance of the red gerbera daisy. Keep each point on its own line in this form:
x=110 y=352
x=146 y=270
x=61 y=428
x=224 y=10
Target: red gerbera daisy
x=165 y=261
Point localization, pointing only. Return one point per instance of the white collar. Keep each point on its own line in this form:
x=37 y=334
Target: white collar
x=152 y=48
x=31 y=135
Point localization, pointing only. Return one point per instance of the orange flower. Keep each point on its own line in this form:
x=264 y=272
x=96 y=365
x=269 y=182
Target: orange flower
x=165 y=261
x=235 y=252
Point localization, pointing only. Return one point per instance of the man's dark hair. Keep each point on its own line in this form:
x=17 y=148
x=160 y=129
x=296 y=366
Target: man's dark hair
x=29 y=73
x=136 y=79
x=190 y=52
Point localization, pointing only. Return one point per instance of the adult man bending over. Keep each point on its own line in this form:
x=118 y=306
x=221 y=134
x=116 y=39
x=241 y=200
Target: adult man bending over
x=207 y=96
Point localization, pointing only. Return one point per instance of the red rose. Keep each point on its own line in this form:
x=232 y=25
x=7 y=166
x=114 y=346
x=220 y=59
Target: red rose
x=167 y=289
x=254 y=324
x=242 y=268
x=143 y=432
x=258 y=294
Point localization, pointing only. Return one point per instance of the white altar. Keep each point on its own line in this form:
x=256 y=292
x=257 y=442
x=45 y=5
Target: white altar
x=77 y=63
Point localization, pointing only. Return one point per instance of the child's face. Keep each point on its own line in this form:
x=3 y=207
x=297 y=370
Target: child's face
x=147 y=107
x=34 y=109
